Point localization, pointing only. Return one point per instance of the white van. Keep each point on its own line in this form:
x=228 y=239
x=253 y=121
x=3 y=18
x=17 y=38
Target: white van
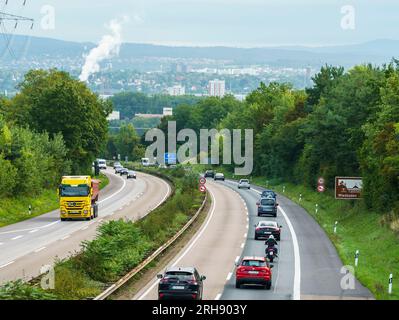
x=102 y=164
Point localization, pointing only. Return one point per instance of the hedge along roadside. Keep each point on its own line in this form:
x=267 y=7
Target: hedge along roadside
x=104 y=295
x=122 y=245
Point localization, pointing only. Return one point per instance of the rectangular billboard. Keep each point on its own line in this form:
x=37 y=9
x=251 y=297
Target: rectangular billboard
x=348 y=188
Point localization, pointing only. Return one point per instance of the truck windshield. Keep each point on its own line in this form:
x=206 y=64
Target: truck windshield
x=74 y=191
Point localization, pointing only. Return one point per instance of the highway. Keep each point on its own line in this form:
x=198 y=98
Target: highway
x=26 y=246
x=308 y=266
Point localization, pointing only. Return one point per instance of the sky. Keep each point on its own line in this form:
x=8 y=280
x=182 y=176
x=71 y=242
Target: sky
x=237 y=23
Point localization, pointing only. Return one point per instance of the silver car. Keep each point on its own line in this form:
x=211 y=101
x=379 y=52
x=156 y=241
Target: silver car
x=244 y=184
x=131 y=174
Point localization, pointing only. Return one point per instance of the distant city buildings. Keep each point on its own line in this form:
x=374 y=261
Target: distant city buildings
x=177 y=91
x=166 y=112
x=115 y=115
x=217 y=88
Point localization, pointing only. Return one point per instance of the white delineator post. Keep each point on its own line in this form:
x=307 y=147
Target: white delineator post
x=390 y=283
x=317 y=208
x=300 y=197
x=356 y=258
x=335 y=226
x=283 y=189
x=30 y=209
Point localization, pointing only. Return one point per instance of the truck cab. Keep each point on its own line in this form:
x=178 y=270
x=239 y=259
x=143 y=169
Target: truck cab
x=78 y=198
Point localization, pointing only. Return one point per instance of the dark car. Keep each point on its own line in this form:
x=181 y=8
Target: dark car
x=123 y=171
x=118 y=169
x=267 y=206
x=219 y=176
x=209 y=174
x=269 y=194
x=181 y=284
x=264 y=229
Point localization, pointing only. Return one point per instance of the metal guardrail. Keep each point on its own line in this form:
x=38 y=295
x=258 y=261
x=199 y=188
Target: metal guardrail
x=105 y=294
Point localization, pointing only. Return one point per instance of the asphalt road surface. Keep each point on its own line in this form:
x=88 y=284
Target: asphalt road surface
x=27 y=246
x=308 y=266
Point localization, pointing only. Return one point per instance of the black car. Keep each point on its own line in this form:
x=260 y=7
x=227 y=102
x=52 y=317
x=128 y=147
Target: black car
x=123 y=171
x=181 y=284
x=269 y=194
x=264 y=229
x=209 y=174
x=267 y=206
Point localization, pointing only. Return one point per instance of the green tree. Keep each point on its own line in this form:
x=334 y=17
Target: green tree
x=53 y=102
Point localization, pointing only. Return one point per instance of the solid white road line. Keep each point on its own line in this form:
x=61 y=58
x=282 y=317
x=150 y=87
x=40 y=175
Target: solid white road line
x=218 y=296
x=1 y=243
x=237 y=259
x=34 y=231
x=85 y=228
x=229 y=276
x=114 y=194
x=40 y=249
x=6 y=265
x=194 y=241
x=297 y=258
x=242 y=245
x=17 y=237
x=66 y=237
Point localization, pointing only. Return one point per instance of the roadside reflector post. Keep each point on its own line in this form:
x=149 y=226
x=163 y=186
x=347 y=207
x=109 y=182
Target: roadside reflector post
x=335 y=226
x=300 y=197
x=283 y=189
x=317 y=208
x=30 y=209
x=357 y=258
x=267 y=183
x=390 y=283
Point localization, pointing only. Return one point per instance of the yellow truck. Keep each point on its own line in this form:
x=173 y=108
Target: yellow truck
x=78 y=197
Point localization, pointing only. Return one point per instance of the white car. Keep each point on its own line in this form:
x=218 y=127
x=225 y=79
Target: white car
x=244 y=184
x=102 y=164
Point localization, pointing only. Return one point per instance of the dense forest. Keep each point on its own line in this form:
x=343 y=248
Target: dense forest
x=55 y=125
x=347 y=124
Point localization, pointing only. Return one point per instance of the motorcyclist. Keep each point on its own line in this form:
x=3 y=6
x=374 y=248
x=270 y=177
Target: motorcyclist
x=271 y=243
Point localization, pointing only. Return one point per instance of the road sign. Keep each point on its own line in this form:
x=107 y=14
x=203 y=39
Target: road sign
x=321 y=189
x=321 y=181
x=202 y=181
x=170 y=158
x=348 y=188
x=202 y=188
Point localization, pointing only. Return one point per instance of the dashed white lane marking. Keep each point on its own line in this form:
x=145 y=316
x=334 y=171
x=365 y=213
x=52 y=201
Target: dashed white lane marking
x=66 y=237
x=247 y=226
x=40 y=249
x=218 y=296
x=237 y=259
x=242 y=245
x=23 y=230
x=229 y=276
x=1 y=243
x=6 y=265
x=85 y=228
x=194 y=241
x=101 y=220
x=245 y=235
x=297 y=263
x=17 y=237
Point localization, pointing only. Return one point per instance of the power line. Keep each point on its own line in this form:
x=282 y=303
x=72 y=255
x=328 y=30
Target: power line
x=8 y=36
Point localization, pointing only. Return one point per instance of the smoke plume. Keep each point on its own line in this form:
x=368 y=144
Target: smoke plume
x=108 y=47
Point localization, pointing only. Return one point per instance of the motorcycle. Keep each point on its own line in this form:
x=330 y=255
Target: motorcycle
x=271 y=253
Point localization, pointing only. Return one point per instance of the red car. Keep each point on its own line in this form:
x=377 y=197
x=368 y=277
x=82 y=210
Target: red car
x=254 y=270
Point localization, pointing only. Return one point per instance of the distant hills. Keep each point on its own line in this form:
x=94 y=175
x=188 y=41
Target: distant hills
x=376 y=52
